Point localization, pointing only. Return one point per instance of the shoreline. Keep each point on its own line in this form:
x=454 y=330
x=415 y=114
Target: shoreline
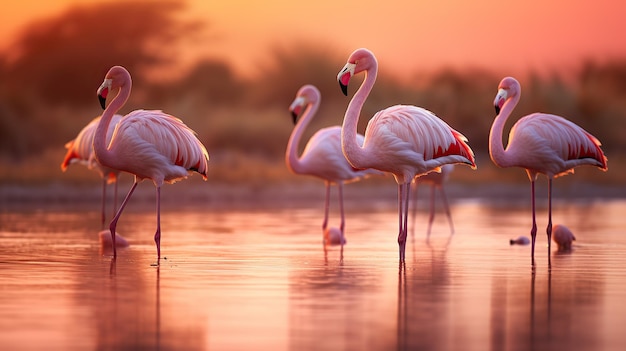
x=290 y=195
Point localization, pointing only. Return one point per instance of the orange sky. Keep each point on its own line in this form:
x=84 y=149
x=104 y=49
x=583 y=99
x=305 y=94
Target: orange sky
x=406 y=35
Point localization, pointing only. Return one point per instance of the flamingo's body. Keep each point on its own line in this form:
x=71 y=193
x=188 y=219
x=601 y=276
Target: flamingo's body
x=540 y=143
x=80 y=150
x=436 y=181
x=322 y=156
x=404 y=140
x=149 y=144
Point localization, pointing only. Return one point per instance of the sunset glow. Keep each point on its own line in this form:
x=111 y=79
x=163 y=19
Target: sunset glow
x=406 y=35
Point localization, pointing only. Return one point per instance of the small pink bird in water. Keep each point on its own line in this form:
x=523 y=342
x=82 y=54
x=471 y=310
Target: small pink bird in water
x=148 y=144
x=563 y=237
x=540 y=143
x=322 y=156
x=436 y=181
x=80 y=150
x=404 y=140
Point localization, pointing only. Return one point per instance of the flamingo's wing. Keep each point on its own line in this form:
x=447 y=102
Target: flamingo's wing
x=565 y=140
x=411 y=129
x=165 y=137
x=323 y=157
x=81 y=148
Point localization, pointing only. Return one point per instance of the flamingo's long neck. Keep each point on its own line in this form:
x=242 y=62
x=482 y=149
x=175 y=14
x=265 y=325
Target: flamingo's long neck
x=354 y=153
x=100 y=146
x=499 y=155
x=293 y=161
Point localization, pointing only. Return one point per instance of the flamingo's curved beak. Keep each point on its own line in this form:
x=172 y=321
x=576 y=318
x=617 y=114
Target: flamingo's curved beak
x=296 y=108
x=499 y=101
x=103 y=91
x=344 y=76
x=103 y=101
x=344 y=88
x=294 y=116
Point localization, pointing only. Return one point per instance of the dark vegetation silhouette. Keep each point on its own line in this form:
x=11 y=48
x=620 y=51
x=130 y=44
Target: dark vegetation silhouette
x=56 y=63
x=49 y=75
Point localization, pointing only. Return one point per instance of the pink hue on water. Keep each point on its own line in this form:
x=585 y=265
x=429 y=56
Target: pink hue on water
x=261 y=279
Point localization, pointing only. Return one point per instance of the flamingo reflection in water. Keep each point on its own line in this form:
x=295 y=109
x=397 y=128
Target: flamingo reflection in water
x=436 y=182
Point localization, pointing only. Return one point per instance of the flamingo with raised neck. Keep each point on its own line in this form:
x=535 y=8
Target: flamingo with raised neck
x=148 y=144
x=322 y=156
x=404 y=140
x=540 y=143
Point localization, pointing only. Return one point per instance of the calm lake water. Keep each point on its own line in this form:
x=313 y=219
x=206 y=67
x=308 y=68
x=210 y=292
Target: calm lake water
x=260 y=279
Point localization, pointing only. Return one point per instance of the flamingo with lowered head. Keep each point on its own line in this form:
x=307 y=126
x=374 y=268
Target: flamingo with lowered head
x=404 y=140
x=80 y=150
x=148 y=144
x=540 y=143
x=322 y=156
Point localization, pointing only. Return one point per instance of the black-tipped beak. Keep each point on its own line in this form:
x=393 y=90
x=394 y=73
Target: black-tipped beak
x=344 y=76
x=103 y=101
x=294 y=116
x=344 y=88
x=497 y=110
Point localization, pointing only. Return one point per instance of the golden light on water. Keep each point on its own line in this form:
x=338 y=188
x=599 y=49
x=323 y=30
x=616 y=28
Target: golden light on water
x=267 y=278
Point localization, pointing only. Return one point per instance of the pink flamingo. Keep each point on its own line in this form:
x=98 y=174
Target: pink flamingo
x=404 y=140
x=436 y=181
x=148 y=144
x=322 y=156
x=540 y=143
x=80 y=150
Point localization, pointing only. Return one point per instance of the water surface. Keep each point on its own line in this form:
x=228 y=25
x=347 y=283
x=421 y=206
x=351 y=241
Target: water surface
x=260 y=279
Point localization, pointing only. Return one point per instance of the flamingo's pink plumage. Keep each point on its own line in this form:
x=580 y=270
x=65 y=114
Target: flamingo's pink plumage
x=540 y=143
x=80 y=150
x=404 y=140
x=148 y=144
x=322 y=156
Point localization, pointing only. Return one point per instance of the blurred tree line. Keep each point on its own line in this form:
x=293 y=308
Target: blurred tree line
x=49 y=76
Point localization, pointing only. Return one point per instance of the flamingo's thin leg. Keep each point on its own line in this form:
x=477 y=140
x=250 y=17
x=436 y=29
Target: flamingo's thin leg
x=113 y=225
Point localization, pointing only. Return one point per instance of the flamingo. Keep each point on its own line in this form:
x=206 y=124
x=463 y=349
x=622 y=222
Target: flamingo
x=404 y=140
x=322 y=156
x=80 y=150
x=436 y=181
x=540 y=143
x=148 y=144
